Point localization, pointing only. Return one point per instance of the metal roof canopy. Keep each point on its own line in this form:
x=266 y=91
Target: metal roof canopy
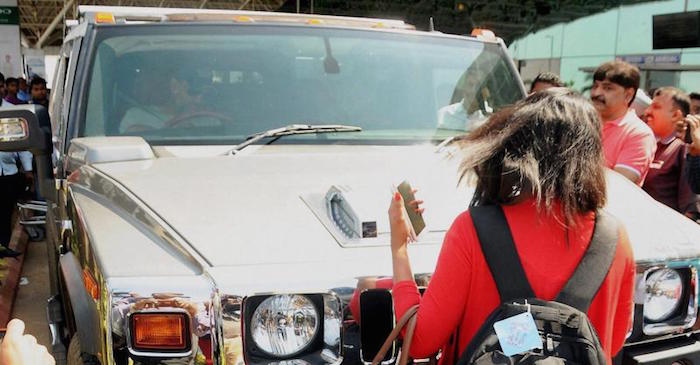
x=43 y=22
x=45 y=19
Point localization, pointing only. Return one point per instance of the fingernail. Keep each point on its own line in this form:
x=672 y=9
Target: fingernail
x=397 y=196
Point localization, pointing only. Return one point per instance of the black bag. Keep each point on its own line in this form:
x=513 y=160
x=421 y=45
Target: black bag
x=568 y=337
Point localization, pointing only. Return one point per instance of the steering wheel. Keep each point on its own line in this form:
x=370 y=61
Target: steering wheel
x=181 y=119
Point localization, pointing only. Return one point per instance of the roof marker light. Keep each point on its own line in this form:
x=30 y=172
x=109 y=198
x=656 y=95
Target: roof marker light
x=483 y=34
x=243 y=19
x=314 y=21
x=104 y=18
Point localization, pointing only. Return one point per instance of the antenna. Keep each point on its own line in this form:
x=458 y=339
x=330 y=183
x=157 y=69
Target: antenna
x=431 y=26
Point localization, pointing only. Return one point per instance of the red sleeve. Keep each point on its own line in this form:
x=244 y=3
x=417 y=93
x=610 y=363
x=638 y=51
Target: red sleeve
x=637 y=153
x=623 y=315
x=442 y=305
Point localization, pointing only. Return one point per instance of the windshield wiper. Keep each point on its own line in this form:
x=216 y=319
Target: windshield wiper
x=290 y=130
x=448 y=141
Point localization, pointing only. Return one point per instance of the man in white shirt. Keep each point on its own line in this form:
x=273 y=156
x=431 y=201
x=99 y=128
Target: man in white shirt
x=11 y=184
x=467 y=114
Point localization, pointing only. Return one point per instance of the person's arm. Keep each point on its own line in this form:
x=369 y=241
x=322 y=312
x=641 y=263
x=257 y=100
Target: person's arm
x=636 y=156
x=400 y=233
x=25 y=157
x=442 y=305
x=688 y=200
x=632 y=175
x=692 y=166
x=623 y=314
x=692 y=172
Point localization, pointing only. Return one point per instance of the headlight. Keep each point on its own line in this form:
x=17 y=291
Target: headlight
x=284 y=325
x=664 y=289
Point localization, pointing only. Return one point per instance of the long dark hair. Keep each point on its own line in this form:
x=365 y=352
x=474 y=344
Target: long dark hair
x=548 y=145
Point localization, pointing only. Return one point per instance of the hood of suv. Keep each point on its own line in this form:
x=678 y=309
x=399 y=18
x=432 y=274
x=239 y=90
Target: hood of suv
x=253 y=208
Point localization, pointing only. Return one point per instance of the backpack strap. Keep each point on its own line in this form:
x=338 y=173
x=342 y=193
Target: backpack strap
x=500 y=253
x=590 y=273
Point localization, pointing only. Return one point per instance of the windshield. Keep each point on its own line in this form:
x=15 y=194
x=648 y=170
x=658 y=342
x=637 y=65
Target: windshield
x=206 y=84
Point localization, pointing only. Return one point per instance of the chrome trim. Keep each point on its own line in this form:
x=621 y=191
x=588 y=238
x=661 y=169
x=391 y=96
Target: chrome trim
x=654 y=329
x=135 y=352
x=230 y=329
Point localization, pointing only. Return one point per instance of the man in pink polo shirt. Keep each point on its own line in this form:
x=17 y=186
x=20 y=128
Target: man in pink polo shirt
x=628 y=143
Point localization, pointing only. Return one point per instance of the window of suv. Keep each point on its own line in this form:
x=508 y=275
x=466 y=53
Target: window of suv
x=194 y=83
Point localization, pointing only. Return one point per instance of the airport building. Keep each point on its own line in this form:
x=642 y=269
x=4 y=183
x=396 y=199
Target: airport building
x=662 y=38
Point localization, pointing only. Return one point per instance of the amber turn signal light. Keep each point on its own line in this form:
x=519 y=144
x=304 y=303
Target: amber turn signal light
x=91 y=285
x=158 y=331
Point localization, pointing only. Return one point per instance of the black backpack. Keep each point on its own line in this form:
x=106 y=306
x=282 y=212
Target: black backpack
x=568 y=337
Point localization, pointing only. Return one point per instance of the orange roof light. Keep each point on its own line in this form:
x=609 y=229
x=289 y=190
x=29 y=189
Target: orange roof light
x=483 y=33
x=91 y=285
x=160 y=331
x=104 y=18
x=314 y=21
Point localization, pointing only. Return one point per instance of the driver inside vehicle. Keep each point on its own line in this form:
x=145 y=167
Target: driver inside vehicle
x=470 y=111
x=182 y=99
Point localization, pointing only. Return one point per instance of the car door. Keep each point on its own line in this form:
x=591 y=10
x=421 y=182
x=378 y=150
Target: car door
x=59 y=224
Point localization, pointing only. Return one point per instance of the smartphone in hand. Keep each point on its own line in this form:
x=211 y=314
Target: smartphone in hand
x=416 y=218
x=688 y=138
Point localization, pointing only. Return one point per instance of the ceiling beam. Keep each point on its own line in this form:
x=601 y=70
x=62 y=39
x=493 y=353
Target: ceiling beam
x=47 y=32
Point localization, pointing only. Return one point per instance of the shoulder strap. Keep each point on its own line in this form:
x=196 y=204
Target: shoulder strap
x=590 y=273
x=500 y=253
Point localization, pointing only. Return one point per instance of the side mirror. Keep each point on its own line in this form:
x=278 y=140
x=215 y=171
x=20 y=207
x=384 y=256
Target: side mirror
x=27 y=128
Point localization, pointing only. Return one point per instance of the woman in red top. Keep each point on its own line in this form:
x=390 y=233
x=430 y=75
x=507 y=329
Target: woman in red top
x=550 y=146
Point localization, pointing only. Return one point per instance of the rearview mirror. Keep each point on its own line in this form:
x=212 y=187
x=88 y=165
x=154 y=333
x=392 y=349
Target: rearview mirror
x=27 y=128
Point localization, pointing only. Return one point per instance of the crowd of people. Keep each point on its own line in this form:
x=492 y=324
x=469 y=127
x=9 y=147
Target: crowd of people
x=653 y=141
x=16 y=91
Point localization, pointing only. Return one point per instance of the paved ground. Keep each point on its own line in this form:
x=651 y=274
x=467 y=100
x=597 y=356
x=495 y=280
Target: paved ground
x=30 y=302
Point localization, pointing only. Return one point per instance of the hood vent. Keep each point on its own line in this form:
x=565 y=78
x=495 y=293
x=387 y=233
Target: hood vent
x=353 y=216
x=344 y=215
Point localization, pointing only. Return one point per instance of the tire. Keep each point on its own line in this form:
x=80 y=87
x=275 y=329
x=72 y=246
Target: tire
x=73 y=354
x=75 y=357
